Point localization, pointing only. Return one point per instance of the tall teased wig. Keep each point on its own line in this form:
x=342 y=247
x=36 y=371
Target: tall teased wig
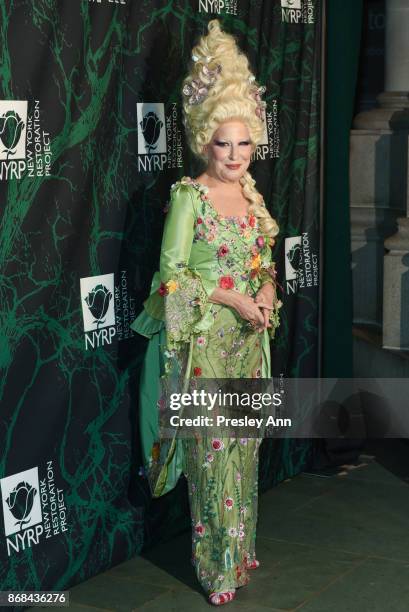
x=225 y=90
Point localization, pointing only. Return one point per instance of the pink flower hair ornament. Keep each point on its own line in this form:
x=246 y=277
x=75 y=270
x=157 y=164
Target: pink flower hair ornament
x=198 y=89
x=256 y=93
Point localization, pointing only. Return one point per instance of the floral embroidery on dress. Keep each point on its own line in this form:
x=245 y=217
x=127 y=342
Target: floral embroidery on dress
x=213 y=342
x=242 y=262
x=224 y=514
x=252 y=247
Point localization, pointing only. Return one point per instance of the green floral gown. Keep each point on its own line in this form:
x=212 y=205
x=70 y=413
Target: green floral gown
x=202 y=250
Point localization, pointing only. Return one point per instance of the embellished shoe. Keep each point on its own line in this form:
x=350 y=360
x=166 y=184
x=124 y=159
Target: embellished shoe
x=253 y=564
x=220 y=598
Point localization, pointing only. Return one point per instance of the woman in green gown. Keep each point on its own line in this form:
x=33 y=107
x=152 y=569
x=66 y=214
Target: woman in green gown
x=212 y=311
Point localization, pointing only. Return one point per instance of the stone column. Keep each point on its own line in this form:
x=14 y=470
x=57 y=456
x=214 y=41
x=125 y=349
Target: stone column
x=397 y=46
x=379 y=175
x=396 y=261
x=396 y=289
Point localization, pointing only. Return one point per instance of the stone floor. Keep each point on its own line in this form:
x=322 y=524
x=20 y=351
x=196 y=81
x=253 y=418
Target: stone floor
x=327 y=542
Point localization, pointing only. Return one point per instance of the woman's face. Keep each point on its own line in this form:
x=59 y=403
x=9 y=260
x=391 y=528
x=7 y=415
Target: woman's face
x=229 y=151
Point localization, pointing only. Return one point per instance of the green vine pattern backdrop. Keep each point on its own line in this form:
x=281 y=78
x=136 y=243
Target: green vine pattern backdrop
x=91 y=141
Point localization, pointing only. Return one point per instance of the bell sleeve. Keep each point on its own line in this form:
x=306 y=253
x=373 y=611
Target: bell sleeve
x=268 y=275
x=184 y=291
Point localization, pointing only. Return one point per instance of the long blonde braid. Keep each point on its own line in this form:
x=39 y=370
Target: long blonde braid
x=267 y=224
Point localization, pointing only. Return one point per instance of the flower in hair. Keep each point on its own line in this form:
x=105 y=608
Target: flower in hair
x=198 y=89
x=256 y=93
x=211 y=74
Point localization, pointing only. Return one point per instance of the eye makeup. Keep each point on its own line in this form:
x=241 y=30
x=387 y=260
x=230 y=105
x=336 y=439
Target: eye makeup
x=221 y=143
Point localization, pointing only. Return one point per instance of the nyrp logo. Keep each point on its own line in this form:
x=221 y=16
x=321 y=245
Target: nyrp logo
x=13 y=136
x=159 y=137
x=25 y=147
x=297 y=11
x=269 y=146
x=301 y=265
x=292 y=257
x=13 y=129
x=33 y=508
x=108 y=309
x=228 y=7
x=97 y=293
x=20 y=496
x=151 y=133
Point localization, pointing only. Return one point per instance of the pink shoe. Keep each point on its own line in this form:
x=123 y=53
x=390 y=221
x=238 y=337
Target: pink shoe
x=220 y=598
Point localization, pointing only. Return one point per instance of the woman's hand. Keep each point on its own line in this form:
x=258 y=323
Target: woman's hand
x=250 y=310
x=266 y=295
x=245 y=306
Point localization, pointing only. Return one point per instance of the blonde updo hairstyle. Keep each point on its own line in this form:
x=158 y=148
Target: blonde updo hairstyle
x=230 y=97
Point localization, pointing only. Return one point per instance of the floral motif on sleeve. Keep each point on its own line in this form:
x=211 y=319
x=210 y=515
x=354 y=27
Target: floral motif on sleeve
x=185 y=292
x=185 y=302
x=267 y=274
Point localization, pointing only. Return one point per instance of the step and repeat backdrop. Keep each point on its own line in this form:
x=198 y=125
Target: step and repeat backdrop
x=91 y=140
